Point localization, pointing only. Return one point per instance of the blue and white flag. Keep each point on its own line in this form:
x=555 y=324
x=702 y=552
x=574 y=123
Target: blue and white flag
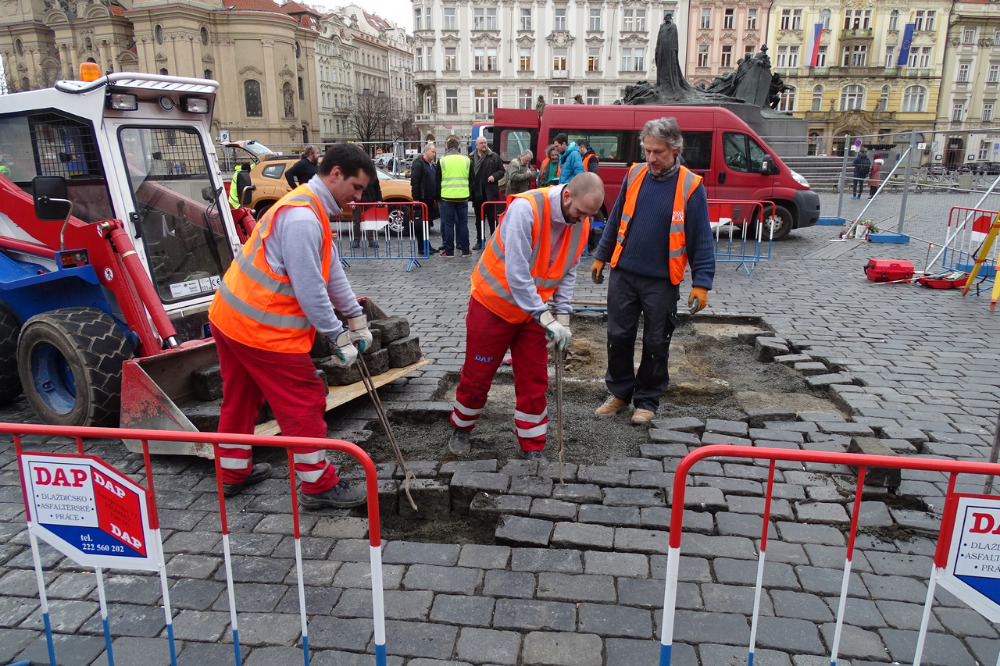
x=904 y=47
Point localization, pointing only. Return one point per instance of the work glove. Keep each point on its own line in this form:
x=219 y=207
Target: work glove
x=557 y=334
x=344 y=352
x=597 y=271
x=699 y=294
x=360 y=332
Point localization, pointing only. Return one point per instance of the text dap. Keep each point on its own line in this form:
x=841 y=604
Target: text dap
x=57 y=476
x=985 y=522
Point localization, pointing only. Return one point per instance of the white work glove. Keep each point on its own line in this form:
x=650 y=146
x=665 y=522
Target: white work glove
x=557 y=334
x=563 y=319
x=344 y=351
x=360 y=332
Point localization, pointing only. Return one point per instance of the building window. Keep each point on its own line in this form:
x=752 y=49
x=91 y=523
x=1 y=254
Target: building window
x=164 y=71
x=883 y=100
x=593 y=59
x=418 y=58
x=428 y=24
x=924 y=20
x=781 y=58
x=450 y=59
x=302 y=90
x=158 y=34
x=817 y=98
x=593 y=96
x=963 y=72
x=492 y=97
x=786 y=19
x=478 y=19
x=796 y=19
x=559 y=96
x=727 y=56
x=996 y=38
x=914 y=99
x=748 y=51
x=890 y=60
x=633 y=60
x=595 y=20
x=852 y=97
x=793 y=56
x=857 y=19
x=524 y=98
x=525 y=60
x=957 y=111
x=559 y=60
x=824 y=18
x=559 y=22
x=628 y=20
x=703 y=55
x=706 y=18
x=894 y=20
x=451 y=101
x=855 y=56
x=993 y=74
x=930 y=19
x=491 y=19
x=204 y=36
x=640 y=20
x=752 y=18
x=479 y=59
x=417 y=14
x=729 y=19
x=479 y=101
x=925 y=57
x=492 y=62
x=525 y=23
x=786 y=100
x=987 y=116
x=969 y=36
x=450 y=22
x=286 y=95
x=207 y=74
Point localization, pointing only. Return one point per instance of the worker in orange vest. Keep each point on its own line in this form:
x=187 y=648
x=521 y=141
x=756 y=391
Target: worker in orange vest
x=548 y=174
x=529 y=260
x=653 y=246
x=591 y=162
x=278 y=292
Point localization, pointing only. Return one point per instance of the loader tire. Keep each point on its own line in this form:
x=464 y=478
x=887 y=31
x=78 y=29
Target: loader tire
x=70 y=364
x=10 y=384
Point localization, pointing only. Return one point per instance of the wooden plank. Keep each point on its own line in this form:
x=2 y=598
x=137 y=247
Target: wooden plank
x=339 y=395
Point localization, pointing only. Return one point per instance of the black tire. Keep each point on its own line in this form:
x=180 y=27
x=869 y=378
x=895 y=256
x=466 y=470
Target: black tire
x=70 y=364
x=398 y=218
x=778 y=219
x=10 y=383
x=261 y=208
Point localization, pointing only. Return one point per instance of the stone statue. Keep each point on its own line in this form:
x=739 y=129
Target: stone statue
x=578 y=99
x=668 y=68
x=540 y=105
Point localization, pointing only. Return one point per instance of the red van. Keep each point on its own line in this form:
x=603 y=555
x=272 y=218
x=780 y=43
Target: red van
x=718 y=145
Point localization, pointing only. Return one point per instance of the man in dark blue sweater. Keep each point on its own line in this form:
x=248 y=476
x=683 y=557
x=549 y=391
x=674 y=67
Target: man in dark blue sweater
x=665 y=228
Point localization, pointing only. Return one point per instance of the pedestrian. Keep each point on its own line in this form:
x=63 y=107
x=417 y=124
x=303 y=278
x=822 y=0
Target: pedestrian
x=862 y=165
x=300 y=172
x=570 y=162
x=875 y=175
x=484 y=182
x=423 y=188
x=274 y=297
x=648 y=254
x=453 y=199
x=531 y=259
x=548 y=174
x=520 y=173
x=371 y=194
x=238 y=196
x=589 y=158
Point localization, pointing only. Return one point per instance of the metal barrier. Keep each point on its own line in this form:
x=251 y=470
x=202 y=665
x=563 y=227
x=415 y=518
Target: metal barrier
x=101 y=518
x=383 y=230
x=739 y=235
x=944 y=556
x=967 y=229
x=497 y=208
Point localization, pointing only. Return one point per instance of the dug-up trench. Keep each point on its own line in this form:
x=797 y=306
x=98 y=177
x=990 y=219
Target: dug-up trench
x=713 y=374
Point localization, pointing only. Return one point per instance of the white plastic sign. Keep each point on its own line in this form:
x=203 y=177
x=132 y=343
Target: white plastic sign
x=973 y=570
x=88 y=511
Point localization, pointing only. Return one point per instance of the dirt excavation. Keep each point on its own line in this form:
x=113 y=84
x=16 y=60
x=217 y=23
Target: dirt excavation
x=713 y=374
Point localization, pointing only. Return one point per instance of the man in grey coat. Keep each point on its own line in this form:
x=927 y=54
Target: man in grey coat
x=520 y=173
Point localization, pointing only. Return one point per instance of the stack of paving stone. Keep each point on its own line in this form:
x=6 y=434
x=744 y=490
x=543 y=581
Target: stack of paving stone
x=818 y=373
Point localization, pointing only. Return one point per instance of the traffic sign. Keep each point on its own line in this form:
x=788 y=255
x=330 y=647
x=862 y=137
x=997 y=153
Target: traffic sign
x=378 y=151
x=88 y=511
x=973 y=570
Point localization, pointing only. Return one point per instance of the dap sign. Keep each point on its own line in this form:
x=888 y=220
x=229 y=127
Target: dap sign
x=973 y=570
x=88 y=511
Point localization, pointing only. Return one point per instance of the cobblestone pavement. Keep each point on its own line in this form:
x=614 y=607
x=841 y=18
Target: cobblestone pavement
x=576 y=573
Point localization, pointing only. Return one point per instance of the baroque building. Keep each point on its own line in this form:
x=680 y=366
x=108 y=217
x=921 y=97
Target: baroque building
x=472 y=56
x=721 y=33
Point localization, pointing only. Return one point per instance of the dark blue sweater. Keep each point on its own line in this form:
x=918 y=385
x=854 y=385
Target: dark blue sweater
x=647 y=245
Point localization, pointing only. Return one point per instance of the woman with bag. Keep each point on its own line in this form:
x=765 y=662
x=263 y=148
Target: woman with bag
x=875 y=175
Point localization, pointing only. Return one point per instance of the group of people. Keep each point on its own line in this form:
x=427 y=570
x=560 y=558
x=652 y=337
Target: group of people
x=287 y=283
x=866 y=169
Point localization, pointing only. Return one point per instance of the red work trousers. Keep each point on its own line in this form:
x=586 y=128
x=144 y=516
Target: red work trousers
x=296 y=395
x=487 y=337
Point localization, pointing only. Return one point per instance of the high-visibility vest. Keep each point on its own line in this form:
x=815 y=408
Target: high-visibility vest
x=590 y=157
x=455 y=177
x=257 y=307
x=489 y=280
x=545 y=165
x=234 y=195
x=687 y=182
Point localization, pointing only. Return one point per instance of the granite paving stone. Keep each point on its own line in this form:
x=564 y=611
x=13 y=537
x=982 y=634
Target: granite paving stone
x=551 y=509
x=577 y=492
x=633 y=497
x=777 y=575
x=478 y=556
x=606 y=620
x=421 y=639
x=561 y=649
x=358 y=574
x=576 y=587
x=901 y=615
x=533 y=614
x=399 y=604
x=939 y=649
x=491 y=504
x=341 y=633
x=74 y=650
x=456 y=580
x=543 y=559
x=720 y=598
x=789 y=603
x=530 y=485
x=632 y=565
x=488 y=646
x=408 y=552
x=470 y=611
x=499 y=583
x=821 y=512
x=682 y=424
x=583 y=536
x=520 y=531
x=691 y=626
x=728 y=655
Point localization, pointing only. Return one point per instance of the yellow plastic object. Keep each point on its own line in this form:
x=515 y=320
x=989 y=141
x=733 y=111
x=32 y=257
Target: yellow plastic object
x=90 y=71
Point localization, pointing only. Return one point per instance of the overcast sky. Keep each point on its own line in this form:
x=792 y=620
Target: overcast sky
x=397 y=11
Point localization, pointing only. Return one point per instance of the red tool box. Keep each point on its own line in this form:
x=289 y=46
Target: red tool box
x=889 y=270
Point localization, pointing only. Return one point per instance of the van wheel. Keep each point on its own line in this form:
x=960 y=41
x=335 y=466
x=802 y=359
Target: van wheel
x=777 y=222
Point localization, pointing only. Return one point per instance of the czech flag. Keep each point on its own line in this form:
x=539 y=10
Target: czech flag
x=817 y=32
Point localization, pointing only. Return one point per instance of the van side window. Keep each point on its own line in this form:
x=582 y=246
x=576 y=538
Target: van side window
x=607 y=144
x=513 y=142
x=697 y=151
x=742 y=153
x=273 y=171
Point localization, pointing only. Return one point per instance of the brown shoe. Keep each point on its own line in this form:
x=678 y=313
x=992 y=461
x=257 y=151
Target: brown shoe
x=642 y=416
x=611 y=406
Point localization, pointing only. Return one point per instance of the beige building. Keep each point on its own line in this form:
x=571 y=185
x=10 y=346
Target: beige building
x=720 y=34
x=262 y=55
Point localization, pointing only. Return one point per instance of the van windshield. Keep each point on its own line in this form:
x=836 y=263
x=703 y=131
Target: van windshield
x=178 y=210
x=742 y=153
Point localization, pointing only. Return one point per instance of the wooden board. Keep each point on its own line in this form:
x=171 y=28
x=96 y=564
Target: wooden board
x=339 y=395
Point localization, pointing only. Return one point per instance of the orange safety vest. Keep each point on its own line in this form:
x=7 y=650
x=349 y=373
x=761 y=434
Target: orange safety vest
x=587 y=160
x=489 y=280
x=257 y=307
x=545 y=165
x=687 y=182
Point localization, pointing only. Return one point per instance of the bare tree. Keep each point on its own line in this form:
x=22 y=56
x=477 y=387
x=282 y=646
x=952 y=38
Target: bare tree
x=371 y=117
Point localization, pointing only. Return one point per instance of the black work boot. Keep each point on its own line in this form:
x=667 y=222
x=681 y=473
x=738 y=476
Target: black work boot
x=459 y=443
x=341 y=496
x=260 y=472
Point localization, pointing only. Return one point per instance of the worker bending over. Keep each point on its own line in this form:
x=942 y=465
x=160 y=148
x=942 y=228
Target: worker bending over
x=277 y=293
x=649 y=244
x=530 y=259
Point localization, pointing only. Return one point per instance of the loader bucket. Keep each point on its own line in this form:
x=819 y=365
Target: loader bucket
x=152 y=389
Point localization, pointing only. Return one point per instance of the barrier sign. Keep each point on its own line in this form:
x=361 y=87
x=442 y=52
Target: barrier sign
x=973 y=571
x=88 y=511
